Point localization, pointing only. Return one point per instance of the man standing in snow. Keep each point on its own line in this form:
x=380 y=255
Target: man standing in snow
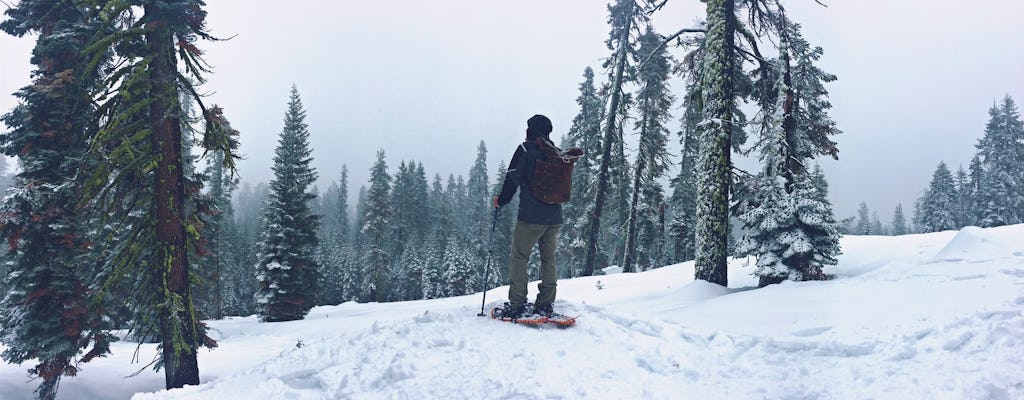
x=538 y=224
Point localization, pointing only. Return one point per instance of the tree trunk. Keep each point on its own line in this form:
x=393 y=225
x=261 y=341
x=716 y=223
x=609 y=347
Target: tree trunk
x=629 y=259
x=171 y=272
x=712 y=219
x=606 y=149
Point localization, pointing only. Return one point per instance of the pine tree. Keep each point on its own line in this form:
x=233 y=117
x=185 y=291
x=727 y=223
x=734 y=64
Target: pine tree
x=713 y=162
x=478 y=205
x=153 y=193
x=974 y=189
x=460 y=269
x=1001 y=157
x=684 y=185
x=899 y=222
x=434 y=284
x=46 y=314
x=863 y=221
x=287 y=271
x=336 y=246
x=420 y=200
x=964 y=198
x=376 y=217
x=403 y=211
x=220 y=230
x=584 y=133
x=343 y=233
x=789 y=222
x=937 y=206
x=622 y=17
x=654 y=101
x=876 y=224
x=502 y=241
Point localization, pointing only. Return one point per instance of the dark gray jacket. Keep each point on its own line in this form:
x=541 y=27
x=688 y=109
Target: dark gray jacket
x=519 y=172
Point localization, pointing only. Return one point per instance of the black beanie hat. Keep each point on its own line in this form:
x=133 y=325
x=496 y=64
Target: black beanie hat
x=537 y=126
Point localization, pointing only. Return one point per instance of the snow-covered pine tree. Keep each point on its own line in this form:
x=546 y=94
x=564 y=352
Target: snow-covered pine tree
x=478 y=208
x=876 y=224
x=286 y=270
x=336 y=246
x=719 y=92
x=502 y=241
x=1001 y=156
x=789 y=222
x=863 y=226
x=684 y=186
x=964 y=197
x=974 y=178
x=938 y=205
x=402 y=212
x=420 y=200
x=141 y=142
x=250 y=202
x=584 y=133
x=344 y=227
x=434 y=284
x=46 y=315
x=461 y=269
x=376 y=217
x=220 y=230
x=623 y=16
x=899 y=221
x=357 y=236
x=654 y=99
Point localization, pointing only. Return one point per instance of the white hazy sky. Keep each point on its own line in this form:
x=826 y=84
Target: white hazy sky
x=429 y=80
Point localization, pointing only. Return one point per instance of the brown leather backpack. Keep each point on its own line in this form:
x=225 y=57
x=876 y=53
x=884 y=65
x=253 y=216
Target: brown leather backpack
x=551 y=182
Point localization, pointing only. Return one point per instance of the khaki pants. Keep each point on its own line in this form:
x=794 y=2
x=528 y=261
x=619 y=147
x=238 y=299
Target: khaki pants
x=525 y=236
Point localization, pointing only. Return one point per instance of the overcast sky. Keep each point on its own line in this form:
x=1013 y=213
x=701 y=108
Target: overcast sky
x=429 y=80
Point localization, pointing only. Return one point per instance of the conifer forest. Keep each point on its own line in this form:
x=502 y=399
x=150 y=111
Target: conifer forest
x=128 y=214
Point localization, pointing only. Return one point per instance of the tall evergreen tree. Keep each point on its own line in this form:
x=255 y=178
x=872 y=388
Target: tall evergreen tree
x=336 y=246
x=502 y=238
x=1001 y=156
x=585 y=133
x=460 y=269
x=964 y=198
x=899 y=222
x=684 y=185
x=938 y=205
x=220 y=231
x=478 y=204
x=876 y=224
x=377 y=216
x=343 y=225
x=714 y=154
x=45 y=313
x=789 y=222
x=287 y=271
x=863 y=226
x=146 y=177
x=623 y=16
x=653 y=102
x=402 y=212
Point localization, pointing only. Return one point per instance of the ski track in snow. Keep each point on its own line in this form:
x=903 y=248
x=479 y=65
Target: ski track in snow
x=898 y=322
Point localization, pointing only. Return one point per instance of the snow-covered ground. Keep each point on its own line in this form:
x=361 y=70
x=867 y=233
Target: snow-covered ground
x=935 y=316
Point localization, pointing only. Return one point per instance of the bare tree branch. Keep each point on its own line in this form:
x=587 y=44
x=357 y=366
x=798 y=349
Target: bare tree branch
x=665 y=42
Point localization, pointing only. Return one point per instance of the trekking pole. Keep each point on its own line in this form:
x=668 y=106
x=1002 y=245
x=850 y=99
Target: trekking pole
x=487 y=266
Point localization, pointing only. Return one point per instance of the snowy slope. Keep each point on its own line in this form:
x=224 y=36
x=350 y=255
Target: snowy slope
x=937 y=316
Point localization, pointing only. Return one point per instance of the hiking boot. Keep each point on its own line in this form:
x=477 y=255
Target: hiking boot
x=544 y=309
x=510 y=311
